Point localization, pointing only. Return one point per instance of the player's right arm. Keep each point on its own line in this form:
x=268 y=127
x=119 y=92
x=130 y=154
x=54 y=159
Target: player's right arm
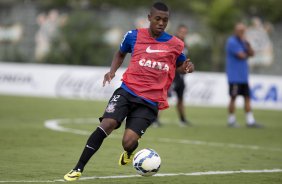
x=125 y=47
x=116 y=63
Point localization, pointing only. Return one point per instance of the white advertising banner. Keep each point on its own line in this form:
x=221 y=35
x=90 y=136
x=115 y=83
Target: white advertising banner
x=77 y=82
x=203 y=88
x=56 y=81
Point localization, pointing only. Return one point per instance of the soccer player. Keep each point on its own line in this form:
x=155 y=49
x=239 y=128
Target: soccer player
x=238 y=50
x=178 y=82
x=178 y=85
x=154 y=57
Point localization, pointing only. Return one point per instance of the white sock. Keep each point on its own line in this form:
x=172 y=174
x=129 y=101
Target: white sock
x=250 y=118
x=231 y=119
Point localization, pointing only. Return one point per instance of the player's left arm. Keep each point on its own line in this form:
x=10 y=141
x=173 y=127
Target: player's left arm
x=184 y=65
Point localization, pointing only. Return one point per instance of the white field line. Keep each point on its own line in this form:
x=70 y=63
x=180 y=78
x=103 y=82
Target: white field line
x=56 y=125
x=157 y=175
x=29 y=181
x=186 y=174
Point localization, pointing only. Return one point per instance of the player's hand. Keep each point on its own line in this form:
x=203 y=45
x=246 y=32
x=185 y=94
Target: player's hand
x=187 y=67
x=108 y=77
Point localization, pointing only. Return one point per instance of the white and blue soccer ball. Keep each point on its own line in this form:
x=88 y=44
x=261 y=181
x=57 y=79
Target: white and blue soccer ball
x=147 y=162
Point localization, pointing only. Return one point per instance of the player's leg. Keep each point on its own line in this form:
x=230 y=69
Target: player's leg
x=114 y=114
x=135 y=128
x=129 y=143
x=92 y=146
x=179 y=87
x=250 y=119
x=231 y=106
x=137 y=122
x=181 y=111
x=95 y=141
x=233 y=92
x=247 y=104
x=231 y=112
x=249 y=115
x=181 y=108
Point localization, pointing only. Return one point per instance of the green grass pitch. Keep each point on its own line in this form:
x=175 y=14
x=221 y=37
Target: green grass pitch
x=31 y=152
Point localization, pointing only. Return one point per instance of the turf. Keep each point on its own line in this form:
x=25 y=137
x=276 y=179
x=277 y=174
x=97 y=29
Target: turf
x=31 y=152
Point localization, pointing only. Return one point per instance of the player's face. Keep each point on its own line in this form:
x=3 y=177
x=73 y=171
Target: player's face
x=158 y=21
x=182 y=32
x=240 y=30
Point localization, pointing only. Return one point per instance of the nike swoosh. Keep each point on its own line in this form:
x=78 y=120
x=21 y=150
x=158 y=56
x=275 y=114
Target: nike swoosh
x=89 y=147
x=149 y=50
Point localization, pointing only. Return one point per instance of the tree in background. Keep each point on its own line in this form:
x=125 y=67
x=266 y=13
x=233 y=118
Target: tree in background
x=80 y=42
x=219 y=16
x=269 y=10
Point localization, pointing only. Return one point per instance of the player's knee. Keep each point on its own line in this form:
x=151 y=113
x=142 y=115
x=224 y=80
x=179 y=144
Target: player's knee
x=129 y=144
x=108 y=125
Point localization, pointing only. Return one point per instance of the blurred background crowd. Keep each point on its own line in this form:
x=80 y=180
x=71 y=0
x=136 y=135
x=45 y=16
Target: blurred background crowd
x=87 y=32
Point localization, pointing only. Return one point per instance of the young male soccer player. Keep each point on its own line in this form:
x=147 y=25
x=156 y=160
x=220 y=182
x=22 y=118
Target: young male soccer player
x=154 y=58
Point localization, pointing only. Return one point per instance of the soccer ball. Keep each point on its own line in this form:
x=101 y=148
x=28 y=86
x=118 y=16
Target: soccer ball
x=147 y=162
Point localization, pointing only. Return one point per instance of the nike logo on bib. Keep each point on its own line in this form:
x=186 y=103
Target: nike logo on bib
x=149 y=50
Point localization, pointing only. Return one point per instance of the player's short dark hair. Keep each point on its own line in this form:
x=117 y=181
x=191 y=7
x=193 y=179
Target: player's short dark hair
x=160 y=6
